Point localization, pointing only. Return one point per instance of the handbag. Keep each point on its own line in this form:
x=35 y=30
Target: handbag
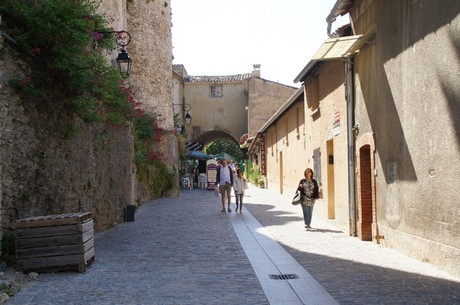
x=297 y=198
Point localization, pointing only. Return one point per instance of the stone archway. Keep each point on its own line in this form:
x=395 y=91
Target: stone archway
x=213 y=135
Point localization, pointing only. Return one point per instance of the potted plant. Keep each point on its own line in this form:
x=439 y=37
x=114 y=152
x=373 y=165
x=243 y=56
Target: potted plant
x=261 y=182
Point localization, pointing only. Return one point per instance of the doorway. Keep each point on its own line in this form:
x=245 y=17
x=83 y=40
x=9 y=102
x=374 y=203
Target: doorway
x=366 y=207
x=330 y=180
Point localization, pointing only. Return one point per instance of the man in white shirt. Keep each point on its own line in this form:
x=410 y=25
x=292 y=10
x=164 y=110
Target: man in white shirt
x=225 y=181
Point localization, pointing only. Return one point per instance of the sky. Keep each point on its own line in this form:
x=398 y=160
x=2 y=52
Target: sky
x=226 y=37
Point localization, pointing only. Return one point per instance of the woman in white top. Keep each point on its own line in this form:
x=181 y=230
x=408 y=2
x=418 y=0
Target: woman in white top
x=239 y=185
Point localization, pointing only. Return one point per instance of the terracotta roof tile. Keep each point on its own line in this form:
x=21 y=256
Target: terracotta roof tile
x=237 y=78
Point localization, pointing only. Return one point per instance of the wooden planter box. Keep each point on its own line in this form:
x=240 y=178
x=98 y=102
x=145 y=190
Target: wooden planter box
x=54 y=242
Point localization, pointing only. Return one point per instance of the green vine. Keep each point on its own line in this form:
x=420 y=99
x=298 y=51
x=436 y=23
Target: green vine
x=56 y=39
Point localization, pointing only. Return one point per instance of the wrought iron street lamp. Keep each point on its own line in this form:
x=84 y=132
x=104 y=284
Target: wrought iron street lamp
x=123 y=59
x=187 y=118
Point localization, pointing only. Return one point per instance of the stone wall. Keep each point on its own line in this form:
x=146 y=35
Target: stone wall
x=411 y=109
x=149 y=23
x=152 y=65
x=52 y=164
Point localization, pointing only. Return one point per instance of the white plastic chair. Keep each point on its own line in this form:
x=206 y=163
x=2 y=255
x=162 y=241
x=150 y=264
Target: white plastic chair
x=203 y=181
x=186 y=183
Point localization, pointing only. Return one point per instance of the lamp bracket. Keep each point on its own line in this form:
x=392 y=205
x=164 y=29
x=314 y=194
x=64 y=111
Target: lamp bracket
x=122 y=39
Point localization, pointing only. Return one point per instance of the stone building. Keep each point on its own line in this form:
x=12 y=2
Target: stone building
x=217 y=107
x=406 y=125
x=226 y=106
x=178 y=104
x=310 y=130
x=264 y=99
x=279 y=143
x=384 y=121
x=326 y=131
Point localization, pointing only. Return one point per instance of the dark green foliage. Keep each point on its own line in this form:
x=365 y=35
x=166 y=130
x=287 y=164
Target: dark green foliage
x=254 y=174
x=8 y=248
x=56 y=39
x=144 y=127
x=222 y=146
x=157 y=176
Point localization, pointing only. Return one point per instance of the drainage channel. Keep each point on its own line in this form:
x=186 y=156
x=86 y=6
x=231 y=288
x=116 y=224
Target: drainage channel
x=283 y=276
x=287 y=282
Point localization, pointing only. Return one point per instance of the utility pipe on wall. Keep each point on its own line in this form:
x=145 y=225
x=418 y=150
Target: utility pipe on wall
x=350 y=143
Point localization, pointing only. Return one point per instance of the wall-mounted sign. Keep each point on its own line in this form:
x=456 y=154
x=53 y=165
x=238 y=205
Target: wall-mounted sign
x=194 y=146
x=336 y=123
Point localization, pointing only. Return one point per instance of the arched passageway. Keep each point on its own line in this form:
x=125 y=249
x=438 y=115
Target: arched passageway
x=213 y=135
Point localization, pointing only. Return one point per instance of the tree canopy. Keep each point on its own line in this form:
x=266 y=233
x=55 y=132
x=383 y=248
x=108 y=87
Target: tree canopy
x=223 y=146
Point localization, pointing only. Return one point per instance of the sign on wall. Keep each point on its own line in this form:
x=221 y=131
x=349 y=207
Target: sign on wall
x=263 y=162
x=194 y=146
x=336 y=123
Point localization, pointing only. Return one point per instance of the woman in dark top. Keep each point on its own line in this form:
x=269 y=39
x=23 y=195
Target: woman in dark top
x=308 y=188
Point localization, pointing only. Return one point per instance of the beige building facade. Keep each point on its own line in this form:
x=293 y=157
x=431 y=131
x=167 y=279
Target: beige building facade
x=218 y=107
x=326 y=142
x=310 y=130
x=264 y=99
x=225 y=107
x=280 y=139
x=380 y=128
x=407 y=114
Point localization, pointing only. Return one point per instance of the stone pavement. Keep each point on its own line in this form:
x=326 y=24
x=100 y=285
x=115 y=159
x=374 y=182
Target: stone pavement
x=185 y=251
x=352 y=271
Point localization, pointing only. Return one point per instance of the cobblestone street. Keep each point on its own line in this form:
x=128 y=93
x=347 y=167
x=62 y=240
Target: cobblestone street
x=185 y=251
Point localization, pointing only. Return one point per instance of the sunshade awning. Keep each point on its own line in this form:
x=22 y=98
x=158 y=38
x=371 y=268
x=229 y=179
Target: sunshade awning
x=333 y=48
x=224 y=156
x=196 y=155
x=339 y=47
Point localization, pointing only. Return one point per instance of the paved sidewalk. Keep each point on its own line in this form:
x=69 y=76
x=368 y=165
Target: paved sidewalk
x=352 y=271
x=283 y=279
x=185 y=251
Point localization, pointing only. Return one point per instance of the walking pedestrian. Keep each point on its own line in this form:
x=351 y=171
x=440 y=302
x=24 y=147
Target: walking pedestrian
x=239 y=185
x=225 y=181
x=309 y=191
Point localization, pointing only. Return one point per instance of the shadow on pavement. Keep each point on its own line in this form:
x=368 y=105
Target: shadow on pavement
x=271 y=216
x=352 y=282
x=325 y=230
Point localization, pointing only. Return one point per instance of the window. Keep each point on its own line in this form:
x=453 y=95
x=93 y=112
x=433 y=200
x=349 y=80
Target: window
x=317 y=167
x=220 y=113
x=216 y=91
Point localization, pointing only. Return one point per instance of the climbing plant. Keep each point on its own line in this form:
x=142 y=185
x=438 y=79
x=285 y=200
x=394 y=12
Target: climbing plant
x=56 y=39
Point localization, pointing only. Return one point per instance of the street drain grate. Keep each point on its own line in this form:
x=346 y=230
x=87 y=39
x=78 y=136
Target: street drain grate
x=283 y=276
